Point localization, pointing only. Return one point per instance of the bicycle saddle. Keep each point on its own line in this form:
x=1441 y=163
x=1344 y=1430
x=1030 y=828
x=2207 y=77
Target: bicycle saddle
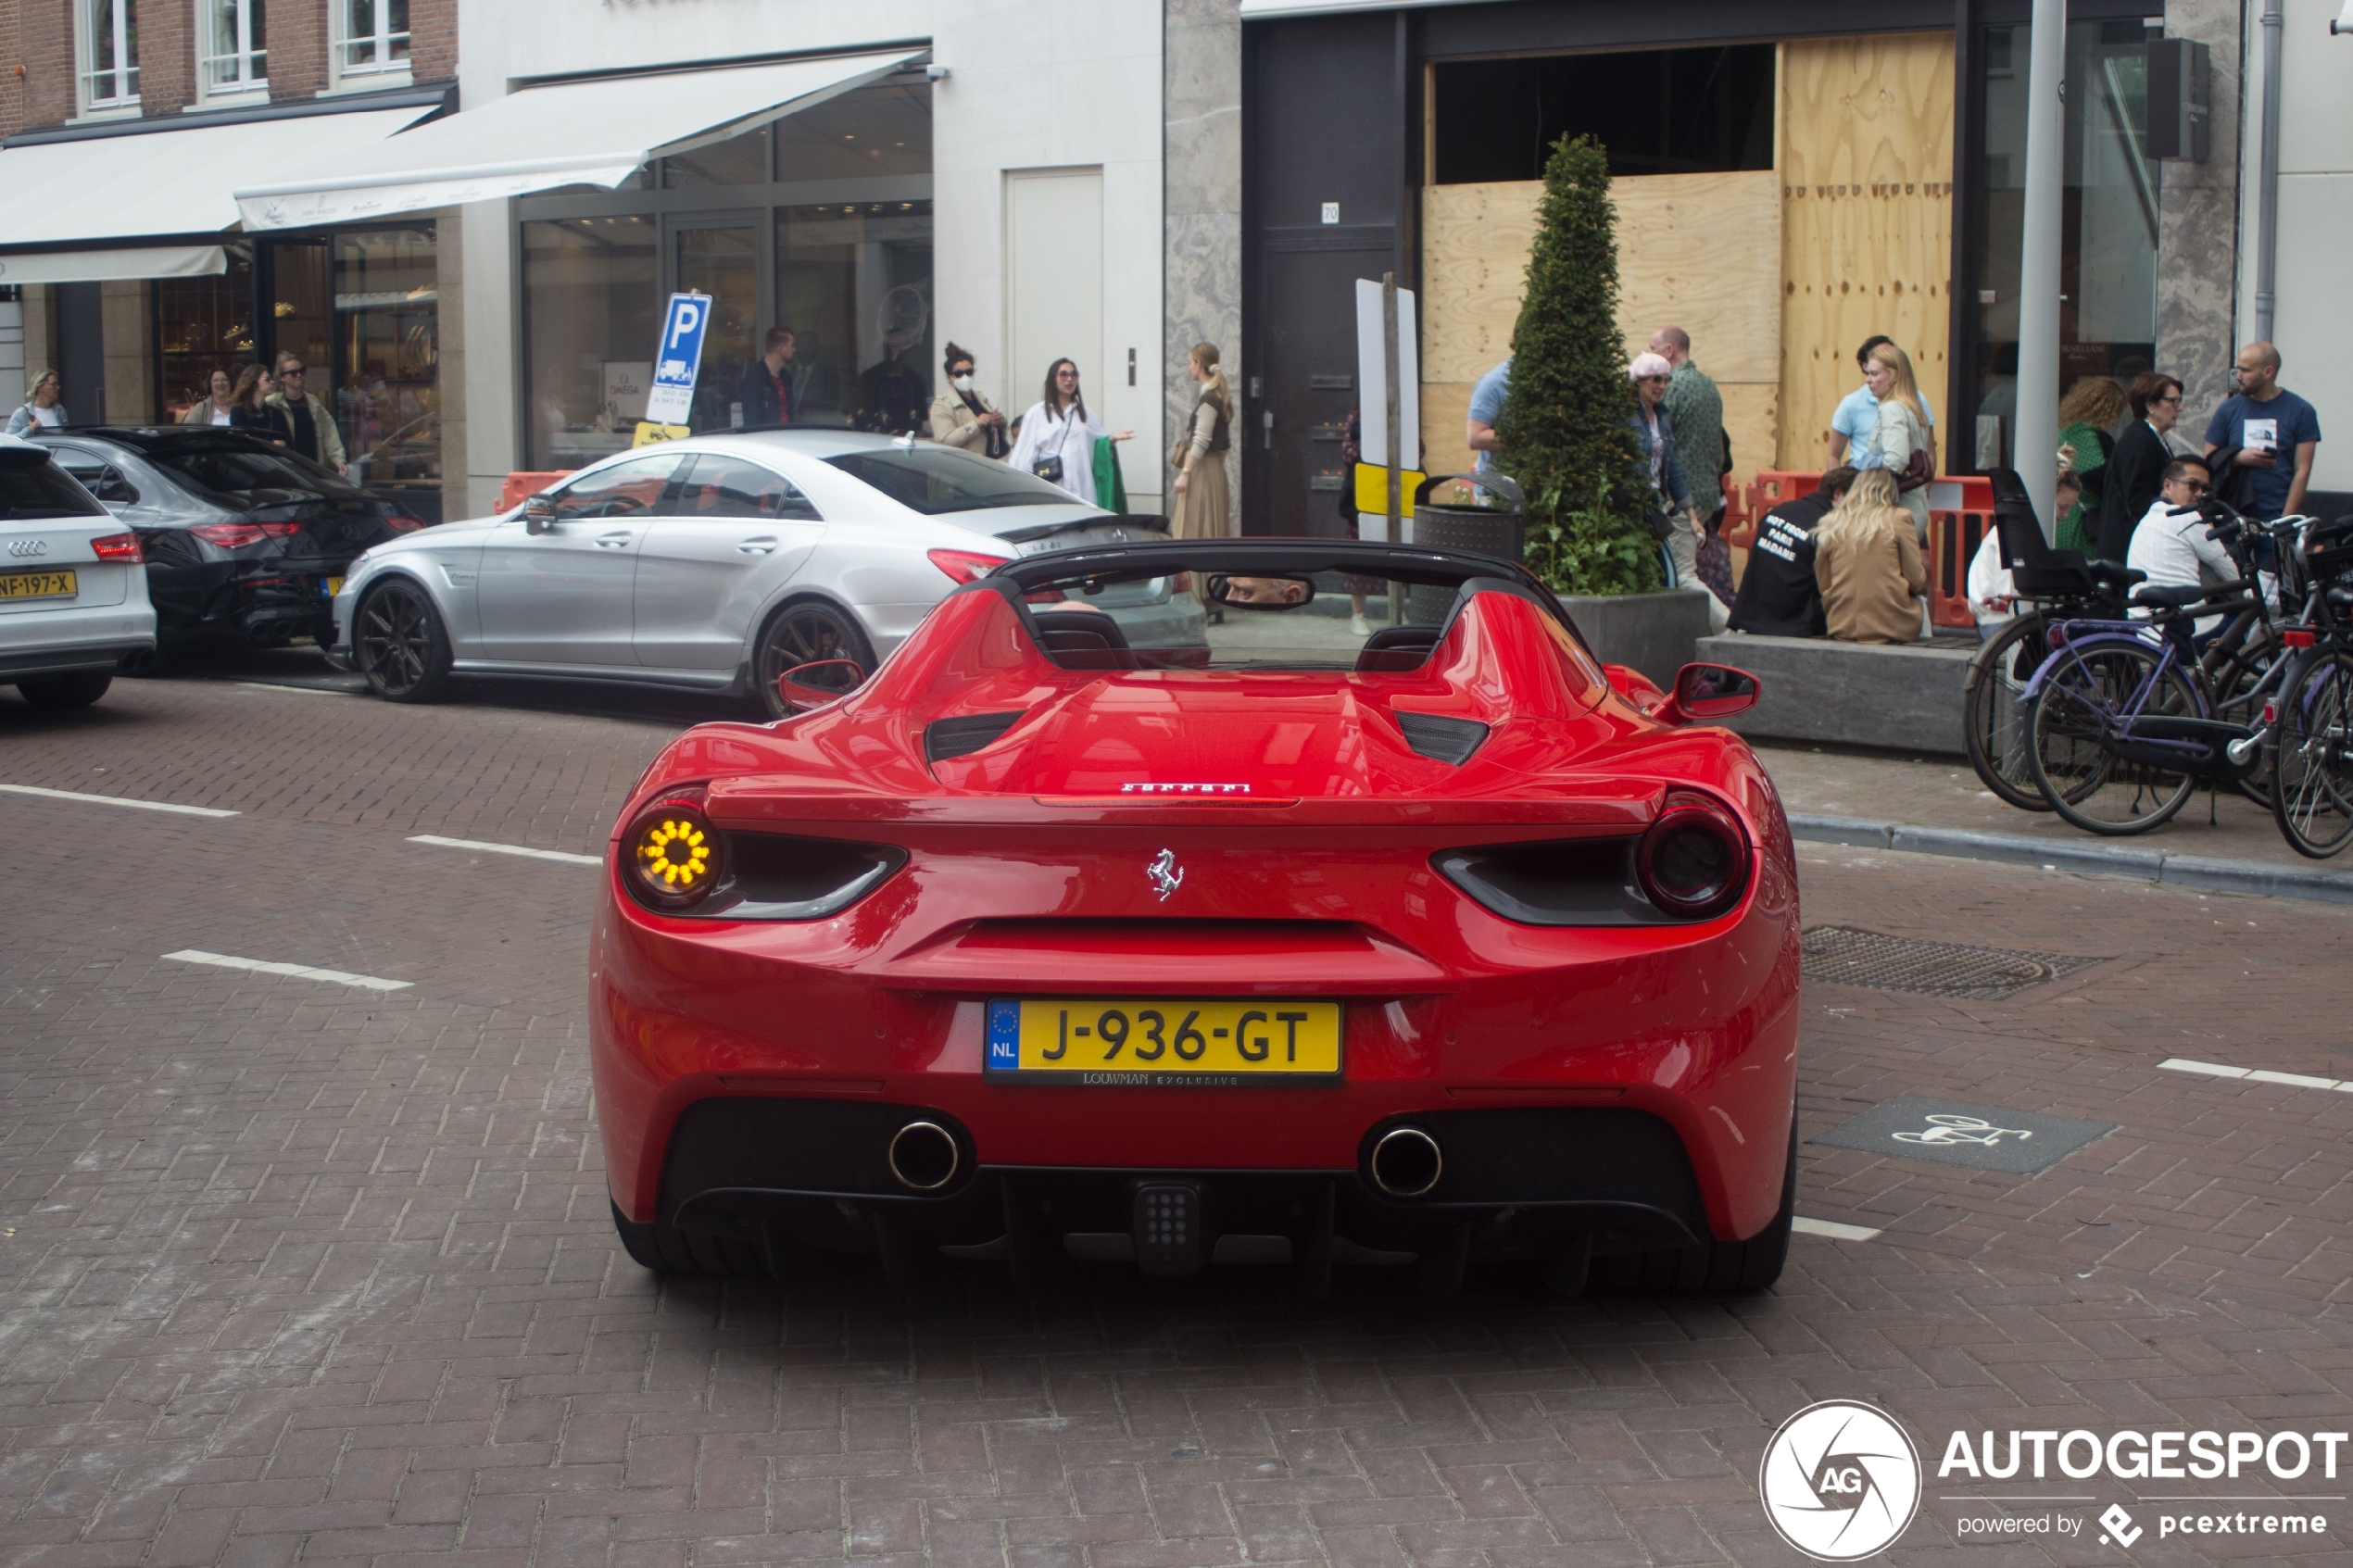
x=2115 y=574
x=2159 y=596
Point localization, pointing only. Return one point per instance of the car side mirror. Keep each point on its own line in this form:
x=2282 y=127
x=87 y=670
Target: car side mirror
x=812 y=685
x=1705 y=692
x=539 y=513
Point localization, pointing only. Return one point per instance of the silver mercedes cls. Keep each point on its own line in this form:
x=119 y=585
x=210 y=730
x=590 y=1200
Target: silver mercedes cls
x=719 y=562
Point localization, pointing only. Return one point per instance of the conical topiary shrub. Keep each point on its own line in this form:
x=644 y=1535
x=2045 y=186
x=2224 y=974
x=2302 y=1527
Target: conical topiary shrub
x=1564 y=434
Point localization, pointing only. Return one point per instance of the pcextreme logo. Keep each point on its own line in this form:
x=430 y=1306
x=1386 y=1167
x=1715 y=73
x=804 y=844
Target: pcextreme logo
x=1839 y=1481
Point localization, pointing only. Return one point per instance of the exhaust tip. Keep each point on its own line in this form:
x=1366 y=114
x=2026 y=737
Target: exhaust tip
x=923 y=1156
x=1407 y=1162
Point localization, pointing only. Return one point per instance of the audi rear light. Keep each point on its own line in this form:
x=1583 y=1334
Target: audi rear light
x=123 y=548
x=1694 y=861
x=965 y=566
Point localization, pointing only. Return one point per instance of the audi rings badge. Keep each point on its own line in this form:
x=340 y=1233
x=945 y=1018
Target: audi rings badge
x=23 y=547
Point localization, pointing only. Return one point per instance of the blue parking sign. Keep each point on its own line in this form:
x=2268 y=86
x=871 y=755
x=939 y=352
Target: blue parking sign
x=678 y=358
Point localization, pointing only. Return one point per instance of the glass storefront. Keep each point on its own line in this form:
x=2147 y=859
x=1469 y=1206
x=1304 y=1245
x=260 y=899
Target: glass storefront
x=361 y=310
x=2107 y=258
x=821 y=222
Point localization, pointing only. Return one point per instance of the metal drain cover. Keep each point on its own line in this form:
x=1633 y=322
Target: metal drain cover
x=1836 y=955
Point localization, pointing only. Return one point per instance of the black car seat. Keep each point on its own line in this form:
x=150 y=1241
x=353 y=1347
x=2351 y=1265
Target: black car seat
x=1393 y=649
x=1082 y=639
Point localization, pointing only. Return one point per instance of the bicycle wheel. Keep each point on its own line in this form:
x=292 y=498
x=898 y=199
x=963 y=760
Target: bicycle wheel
x=2312 y=757
x=1994 y=710
x=2239 y=682
x=2088 y=763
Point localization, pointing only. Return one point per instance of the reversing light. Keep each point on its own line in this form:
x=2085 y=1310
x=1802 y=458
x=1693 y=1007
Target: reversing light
x=1694 y=861
x=123 y=548
x=675 y=858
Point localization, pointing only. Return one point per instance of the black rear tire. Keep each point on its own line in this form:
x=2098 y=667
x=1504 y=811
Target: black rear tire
x=665 y=1250
x=1993 y=723
x=1711 y=1268
x=76 y=688
x=2311 y=792
x=803 y=633
x=401 y=646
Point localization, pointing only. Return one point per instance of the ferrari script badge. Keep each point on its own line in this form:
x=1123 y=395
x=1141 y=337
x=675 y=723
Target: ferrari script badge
x=1167 y=876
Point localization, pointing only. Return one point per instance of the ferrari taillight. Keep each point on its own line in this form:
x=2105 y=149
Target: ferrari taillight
x=671 y=857
x=964 y=566
x=1694 y=859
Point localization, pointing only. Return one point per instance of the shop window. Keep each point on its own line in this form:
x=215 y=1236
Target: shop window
x=203 y=326
x=108 y=43
x=853 y=280
x=372 y=37
x=1658 y=112
x=235 y=54
x=592 y=306
x=2108 y=221
x=876 y=130
x=740 y=161
x=387 y=394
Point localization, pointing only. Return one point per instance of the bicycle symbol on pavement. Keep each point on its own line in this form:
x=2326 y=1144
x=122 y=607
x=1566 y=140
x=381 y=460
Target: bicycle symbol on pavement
x=1944 y=1131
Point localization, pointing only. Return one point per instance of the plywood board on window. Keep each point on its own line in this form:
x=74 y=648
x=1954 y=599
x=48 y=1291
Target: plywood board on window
x=1700 y=251
x=1750 y=411
x=1866 y=149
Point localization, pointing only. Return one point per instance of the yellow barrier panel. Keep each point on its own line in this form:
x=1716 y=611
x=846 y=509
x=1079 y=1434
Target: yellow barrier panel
x=1372 y=489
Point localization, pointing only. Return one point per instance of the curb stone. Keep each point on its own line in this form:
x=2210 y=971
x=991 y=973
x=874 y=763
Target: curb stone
x=2152 y=865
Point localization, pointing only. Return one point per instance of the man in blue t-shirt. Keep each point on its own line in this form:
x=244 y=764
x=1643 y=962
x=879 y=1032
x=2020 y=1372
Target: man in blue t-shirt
x=1486 y=408
x=1858 y=413
x=2275 y=431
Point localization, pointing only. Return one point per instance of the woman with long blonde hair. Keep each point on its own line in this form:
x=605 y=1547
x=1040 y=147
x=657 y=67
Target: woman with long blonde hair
x=1867 y=560
x=1902 y=429
x=1201 y=511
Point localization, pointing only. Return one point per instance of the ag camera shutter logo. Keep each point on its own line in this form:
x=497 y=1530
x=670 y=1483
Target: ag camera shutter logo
x=1839 y=1481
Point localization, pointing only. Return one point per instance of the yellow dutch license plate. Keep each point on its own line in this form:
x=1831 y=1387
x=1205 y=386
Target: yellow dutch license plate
x=1148 y=1042
x=37 y=585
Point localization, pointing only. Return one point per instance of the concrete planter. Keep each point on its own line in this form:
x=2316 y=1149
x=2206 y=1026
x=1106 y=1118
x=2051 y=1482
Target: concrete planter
x=1652 y=633
x=1903 y=698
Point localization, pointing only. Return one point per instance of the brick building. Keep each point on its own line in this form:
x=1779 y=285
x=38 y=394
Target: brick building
x=125 y=125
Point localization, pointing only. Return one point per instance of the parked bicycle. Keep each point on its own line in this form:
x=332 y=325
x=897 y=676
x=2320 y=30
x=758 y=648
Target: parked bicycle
x=2311 y=774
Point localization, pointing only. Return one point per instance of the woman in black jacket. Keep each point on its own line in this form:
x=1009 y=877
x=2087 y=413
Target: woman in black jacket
x=2136 y=468
x=250 y=413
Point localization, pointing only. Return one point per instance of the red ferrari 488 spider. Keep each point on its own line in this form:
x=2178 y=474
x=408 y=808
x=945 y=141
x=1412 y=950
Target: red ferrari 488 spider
x=1440 y=947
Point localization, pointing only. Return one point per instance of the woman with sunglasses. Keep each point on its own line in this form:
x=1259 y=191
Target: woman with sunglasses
x=2136 y=468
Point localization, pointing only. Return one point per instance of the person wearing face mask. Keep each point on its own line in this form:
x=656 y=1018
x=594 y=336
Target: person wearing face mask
x=963 y=416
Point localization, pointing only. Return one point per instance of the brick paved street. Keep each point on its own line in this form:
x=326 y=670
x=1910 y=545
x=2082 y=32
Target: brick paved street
x=296 y=1272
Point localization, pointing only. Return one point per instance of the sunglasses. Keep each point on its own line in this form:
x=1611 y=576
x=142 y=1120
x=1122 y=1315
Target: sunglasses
x=2194 y=486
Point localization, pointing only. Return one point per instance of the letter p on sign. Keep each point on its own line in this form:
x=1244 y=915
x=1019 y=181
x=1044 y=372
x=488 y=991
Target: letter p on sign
x=684 y=322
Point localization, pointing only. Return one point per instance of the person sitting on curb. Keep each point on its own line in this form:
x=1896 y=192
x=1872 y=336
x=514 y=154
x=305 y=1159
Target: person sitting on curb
x=1779 y=597
x=1867 y=558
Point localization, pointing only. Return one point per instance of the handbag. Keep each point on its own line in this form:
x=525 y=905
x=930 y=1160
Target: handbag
x=1048 y=469
x=1662 y=526
x=1919 y=469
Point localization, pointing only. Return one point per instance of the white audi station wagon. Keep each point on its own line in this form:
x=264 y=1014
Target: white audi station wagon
x=73 y=585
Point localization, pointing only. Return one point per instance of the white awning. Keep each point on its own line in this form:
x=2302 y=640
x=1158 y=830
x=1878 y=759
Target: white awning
x=596 y=132
x=99 y=193
x=112 y=266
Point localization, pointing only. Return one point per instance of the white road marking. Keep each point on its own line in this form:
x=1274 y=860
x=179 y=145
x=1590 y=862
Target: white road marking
x=118 y=800
x=2255 y=1074
x=300 y=971
x=506 y=849
x=1831 y=1229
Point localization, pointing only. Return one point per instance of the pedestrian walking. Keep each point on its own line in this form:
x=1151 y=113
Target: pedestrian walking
x=1858 y=413
x=2136 y=468
x=1778 y=594
x=214 y=408
x=1696 y=410
x=2091 y=416
x=254 y=406
x=312 y=428
x=963 y=416
x=44 y=410
x=1201 y=510
x=1058 y=435
x=1867 y=560
x=766 y=392
x=1487 y=397
x=1673 y=519
x=1901 y=439
x=2274 y=433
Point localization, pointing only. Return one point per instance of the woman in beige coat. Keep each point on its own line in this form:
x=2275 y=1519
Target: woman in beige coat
x=1201 y=511
x=963 y=416
x=1867 y=559
x=215 y=408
